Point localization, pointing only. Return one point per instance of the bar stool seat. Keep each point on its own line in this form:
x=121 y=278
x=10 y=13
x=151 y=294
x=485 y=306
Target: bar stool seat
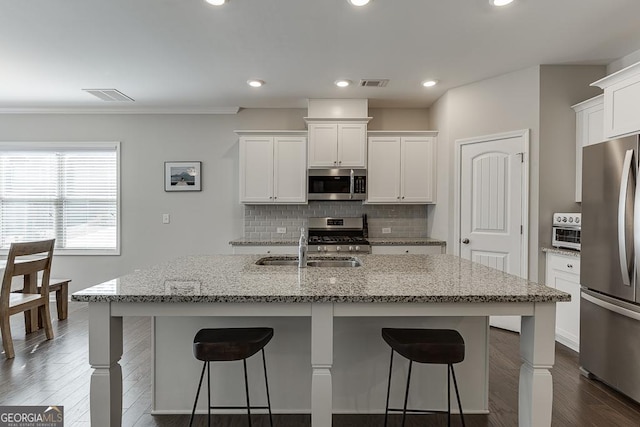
x=229 y=344
x=216 y=345
x=431 y=346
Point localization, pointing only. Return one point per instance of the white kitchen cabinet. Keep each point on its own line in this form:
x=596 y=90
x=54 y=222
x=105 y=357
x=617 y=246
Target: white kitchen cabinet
x=273 y=168
x=621 y=99
x=402 y=169
x=265 y=250
x=589 y=130
x=338 y=144
x=563 y=273
x=410 y=249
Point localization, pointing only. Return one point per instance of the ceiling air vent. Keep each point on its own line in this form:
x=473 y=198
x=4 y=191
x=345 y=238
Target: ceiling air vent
x=109 y=94
x=374 y=82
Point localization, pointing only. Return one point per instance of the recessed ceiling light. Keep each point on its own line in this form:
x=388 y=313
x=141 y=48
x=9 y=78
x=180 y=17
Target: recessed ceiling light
x=343 y=83
x=429 y=83
x=216 y=2
x=255 y=83
x=500 y=2
x=359 y=2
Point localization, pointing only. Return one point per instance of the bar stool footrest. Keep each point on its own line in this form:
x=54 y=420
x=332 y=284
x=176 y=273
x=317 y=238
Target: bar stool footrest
x=238 y=407
x=418 y=411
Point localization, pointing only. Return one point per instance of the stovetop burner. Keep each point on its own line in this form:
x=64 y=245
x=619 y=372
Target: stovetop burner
x=337 y=235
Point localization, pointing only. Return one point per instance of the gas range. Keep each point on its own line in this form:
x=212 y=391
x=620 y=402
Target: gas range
x=338 y=235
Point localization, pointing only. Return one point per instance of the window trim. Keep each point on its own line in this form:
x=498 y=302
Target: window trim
x=77 y=145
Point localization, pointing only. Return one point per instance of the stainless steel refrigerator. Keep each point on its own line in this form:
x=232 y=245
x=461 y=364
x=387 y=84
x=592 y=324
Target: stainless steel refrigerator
x=610 y=261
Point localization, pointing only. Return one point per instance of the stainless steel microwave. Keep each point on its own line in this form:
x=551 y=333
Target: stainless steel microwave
x=337 y=184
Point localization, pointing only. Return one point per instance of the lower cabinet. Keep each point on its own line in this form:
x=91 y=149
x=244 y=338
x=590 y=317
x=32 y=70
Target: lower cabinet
x=413 y=250
x=563 y=273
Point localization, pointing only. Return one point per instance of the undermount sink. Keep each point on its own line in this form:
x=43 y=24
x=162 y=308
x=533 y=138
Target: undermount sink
x=312 y=262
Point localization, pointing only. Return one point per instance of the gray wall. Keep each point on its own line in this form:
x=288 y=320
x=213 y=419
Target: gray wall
x=538 y=99
x=500 y=104
x=561 y=86
x=202 y=222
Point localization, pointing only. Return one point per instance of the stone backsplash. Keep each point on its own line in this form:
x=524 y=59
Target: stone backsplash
x=262 y=221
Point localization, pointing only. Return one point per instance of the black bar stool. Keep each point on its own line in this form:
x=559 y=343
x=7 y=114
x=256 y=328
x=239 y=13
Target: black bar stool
x=433 y=346
x=219 y=345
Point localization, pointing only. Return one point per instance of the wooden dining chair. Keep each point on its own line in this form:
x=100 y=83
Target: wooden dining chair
x=40 y=256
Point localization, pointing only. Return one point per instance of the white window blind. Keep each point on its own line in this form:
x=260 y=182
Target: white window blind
x=66 y=193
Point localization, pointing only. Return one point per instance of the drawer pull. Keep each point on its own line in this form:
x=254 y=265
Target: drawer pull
x=570 y=265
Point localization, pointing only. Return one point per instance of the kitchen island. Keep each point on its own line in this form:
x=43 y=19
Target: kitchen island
x=420 y=286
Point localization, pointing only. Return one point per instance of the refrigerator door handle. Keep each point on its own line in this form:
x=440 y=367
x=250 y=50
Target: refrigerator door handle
x=622 y=216
x=611 y=307
x=636 y=227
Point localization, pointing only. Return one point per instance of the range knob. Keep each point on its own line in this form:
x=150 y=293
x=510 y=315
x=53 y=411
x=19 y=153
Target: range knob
x=357 y=248
x=564 y=219
x=337 y=248
x=350 y=248
x=570 y=219
x=558 y=219
x=325 y=249
x=319 y=248
x=578 y=220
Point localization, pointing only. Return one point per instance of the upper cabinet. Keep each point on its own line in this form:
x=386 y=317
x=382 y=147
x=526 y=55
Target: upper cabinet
x=621 y=99
x=589 y=130
x=337 y=144
x=273 y=167
x=402 y=167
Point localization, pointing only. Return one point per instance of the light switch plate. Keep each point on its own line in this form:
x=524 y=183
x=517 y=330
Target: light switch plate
x=386 y=230
x=165 y=218
x=281 y=230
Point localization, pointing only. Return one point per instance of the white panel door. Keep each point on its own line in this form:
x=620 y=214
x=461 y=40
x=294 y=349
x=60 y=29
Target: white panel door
x=290 y=169
x=417 y=168
x=323 y=145
x=352 y=143
x=383 y=173
x=256 y=169
x=491 y=207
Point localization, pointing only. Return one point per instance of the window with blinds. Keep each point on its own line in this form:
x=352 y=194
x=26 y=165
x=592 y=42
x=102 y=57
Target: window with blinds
x=66 y=192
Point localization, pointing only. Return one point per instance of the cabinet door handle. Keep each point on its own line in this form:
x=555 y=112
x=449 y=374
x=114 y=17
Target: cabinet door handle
x=406 y=252
x=570 y=265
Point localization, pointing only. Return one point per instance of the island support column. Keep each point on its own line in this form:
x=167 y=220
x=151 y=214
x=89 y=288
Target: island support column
x=537 y=349
x=105 y=350
x=321 y=362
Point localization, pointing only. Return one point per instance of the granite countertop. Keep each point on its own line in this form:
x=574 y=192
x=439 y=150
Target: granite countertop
x=381 y=278
x=567 y=252
x=408 y=241
x=374 y=241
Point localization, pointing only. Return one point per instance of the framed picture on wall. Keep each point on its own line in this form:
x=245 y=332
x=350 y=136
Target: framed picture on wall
x=182 y=176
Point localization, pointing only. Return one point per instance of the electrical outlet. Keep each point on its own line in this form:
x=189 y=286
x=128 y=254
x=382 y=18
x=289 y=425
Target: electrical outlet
x=281 y=230
x=165 y=218
x=386 y=230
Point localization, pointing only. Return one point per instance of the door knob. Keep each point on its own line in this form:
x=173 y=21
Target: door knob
x=465 y=241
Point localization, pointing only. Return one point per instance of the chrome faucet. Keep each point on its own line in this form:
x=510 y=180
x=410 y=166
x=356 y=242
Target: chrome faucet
x=302 y=250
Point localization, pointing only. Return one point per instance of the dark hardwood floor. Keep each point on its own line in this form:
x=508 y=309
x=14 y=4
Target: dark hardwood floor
x=57 y=373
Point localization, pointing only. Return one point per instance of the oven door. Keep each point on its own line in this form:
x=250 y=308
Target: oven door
x=336 y=184
x=566 y=237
